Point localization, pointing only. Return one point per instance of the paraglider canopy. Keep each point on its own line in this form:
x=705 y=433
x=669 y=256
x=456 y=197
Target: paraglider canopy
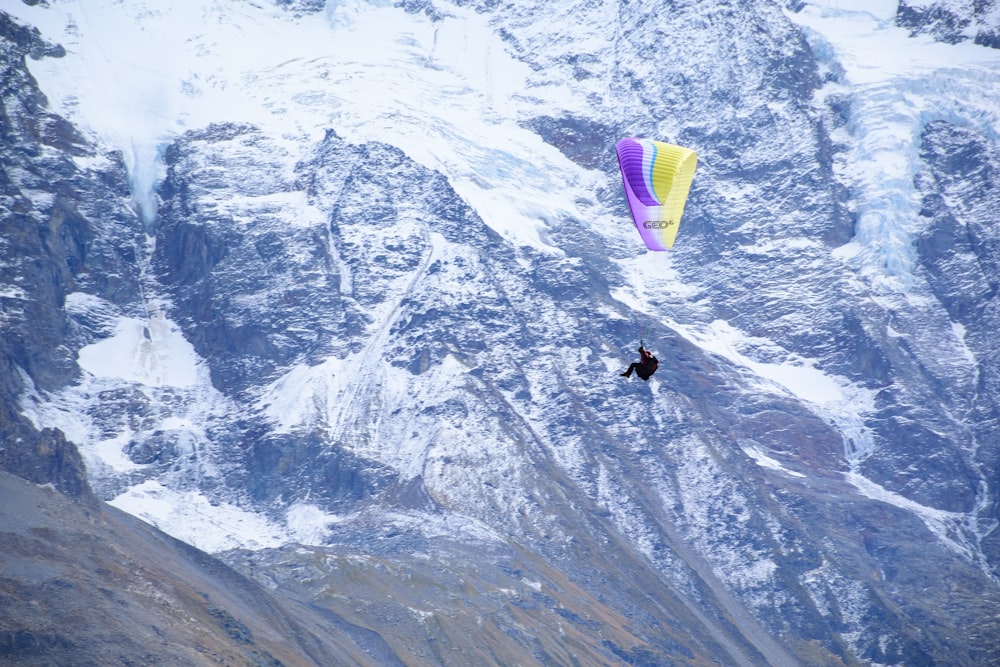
x=657 y=177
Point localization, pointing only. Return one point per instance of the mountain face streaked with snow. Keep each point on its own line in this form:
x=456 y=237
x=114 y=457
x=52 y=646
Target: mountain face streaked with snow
x=340 y=293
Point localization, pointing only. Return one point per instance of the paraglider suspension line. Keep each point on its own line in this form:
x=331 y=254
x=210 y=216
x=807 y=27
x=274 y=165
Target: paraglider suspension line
x=643 y=330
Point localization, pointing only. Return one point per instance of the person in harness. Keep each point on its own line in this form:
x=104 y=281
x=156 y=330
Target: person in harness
x=646 y=365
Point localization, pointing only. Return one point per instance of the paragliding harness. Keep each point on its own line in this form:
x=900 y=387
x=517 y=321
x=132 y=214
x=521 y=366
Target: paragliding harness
x=647 y=365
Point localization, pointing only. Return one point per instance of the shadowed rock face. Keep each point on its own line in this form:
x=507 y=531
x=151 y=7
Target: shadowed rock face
x=494 y=493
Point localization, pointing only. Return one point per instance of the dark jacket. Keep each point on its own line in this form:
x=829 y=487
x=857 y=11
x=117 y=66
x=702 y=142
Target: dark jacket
x=647 y=364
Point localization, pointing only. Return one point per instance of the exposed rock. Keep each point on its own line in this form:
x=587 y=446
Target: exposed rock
x=952 y=22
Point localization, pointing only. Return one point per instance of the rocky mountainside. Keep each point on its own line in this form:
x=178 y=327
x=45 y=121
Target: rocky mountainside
x=953 y=20
x=360 y=338
x=91 y=585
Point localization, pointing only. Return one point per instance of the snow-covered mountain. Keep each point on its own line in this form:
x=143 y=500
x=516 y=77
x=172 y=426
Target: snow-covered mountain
x=340 y=292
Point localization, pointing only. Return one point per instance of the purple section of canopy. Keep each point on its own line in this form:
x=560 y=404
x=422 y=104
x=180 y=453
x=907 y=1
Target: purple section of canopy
x=633 y=166
x=642 y=204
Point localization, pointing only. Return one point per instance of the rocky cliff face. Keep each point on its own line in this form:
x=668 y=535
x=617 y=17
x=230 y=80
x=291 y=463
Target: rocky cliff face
x=48 y=247
x=83 y=583
x=953 y=21
x=960 y=253
x=402 y=411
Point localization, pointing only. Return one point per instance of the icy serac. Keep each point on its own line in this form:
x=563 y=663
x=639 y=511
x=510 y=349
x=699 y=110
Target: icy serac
x=350 y=313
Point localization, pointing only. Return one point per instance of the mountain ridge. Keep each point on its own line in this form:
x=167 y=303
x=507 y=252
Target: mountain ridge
x=330 y=359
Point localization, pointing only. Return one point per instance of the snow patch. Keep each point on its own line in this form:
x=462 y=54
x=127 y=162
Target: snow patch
x=765 y=461
x=959 y=330
x=301 y=396
x=111 y=452
x=308 y=524
x=191 y=517
x=798 y=376
x=153 y=352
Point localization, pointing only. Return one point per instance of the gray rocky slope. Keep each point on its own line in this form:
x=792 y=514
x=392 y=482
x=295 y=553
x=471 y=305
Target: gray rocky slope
x=494 y=493
x=86 y=584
